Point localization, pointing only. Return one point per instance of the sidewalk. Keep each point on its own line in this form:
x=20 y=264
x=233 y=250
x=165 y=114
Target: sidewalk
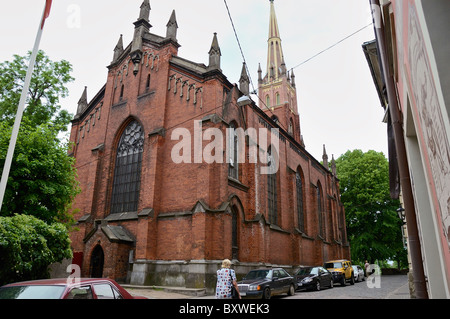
x=159 y=292
x=400 y=293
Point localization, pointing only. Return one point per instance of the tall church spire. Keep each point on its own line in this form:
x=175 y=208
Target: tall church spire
x=277 y=89
x=275 y=57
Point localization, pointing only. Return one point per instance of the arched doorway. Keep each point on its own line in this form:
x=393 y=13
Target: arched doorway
x=237 y=218
x=97 y=261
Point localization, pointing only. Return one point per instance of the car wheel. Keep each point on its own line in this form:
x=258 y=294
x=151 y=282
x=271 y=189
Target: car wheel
x=343 y=281
x=291 y=291
x=331 y=283
x=318 y=285
x=266 y=293
x=352 y=279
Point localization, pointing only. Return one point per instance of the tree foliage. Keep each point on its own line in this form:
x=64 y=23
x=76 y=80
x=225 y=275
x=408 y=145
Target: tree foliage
x=42 y=180
x=36 y=212
x=373 y=225
x=47 y=87
x=28 y=246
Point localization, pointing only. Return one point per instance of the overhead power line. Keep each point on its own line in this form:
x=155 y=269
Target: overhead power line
x=332 y=46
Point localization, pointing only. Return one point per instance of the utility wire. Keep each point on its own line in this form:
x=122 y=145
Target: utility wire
x=332 y=46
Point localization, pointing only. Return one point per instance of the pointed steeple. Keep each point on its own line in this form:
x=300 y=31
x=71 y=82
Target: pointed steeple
x=142 y=26
x=292 y=78
x=214 y=54
x=244 y=81
x=145 y=11
x=278 y=95
x=275 y=56
x=172 y=27
x=325 y=157
x=118 y=50
x=82 y=103
x=333 y=165
x=259 y=74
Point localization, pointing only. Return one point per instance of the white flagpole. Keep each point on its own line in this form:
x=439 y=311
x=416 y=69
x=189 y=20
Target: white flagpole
x=20 y=109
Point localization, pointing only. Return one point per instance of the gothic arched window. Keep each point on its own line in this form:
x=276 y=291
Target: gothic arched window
x=291 y=127
x=127 y=173
x=320 y=210
x=300 y=208
x=233 y=166
x=272 y=189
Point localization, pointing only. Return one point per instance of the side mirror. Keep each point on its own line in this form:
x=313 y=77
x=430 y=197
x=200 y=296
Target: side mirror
x=274 y=278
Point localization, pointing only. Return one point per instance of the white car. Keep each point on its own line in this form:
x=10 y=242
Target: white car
x=359 y=273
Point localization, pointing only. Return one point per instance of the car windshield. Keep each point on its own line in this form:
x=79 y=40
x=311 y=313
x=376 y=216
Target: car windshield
x=333 y=265
x=258 y=274
x=308 y=271
x=31 y=292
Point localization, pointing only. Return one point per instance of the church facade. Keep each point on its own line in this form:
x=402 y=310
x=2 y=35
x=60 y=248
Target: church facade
x=172 y=161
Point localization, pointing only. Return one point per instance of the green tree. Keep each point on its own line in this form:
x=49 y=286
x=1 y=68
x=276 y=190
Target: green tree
x=373 y=226
x=28 y=246
x=47 y=87
x=36 y=212
x=42 y=180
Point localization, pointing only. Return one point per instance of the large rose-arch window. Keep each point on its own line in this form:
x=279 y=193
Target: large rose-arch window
x=127 y=173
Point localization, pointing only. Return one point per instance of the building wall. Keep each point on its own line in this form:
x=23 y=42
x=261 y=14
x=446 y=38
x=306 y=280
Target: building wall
x=421 y=73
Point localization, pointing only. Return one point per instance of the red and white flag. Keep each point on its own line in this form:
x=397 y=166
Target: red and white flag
x=48 y=6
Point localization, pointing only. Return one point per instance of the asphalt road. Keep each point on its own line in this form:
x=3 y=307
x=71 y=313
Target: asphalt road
x=384 y=287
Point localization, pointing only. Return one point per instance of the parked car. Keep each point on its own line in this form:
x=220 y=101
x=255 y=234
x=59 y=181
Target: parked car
x=359 y=273
x=265 y=283
x=82 y=288
x=314 y=278
x=341 y=270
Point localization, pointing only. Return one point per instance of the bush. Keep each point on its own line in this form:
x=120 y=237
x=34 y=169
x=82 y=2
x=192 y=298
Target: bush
x=28 y=246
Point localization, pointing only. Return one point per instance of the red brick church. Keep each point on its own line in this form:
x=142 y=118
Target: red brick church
x=154 y=211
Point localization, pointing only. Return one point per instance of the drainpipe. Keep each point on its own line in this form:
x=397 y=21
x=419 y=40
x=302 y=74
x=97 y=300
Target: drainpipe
x=405 y=180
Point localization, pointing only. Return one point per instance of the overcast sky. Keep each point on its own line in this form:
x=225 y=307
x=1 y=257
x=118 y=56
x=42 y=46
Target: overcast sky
x=338 y=104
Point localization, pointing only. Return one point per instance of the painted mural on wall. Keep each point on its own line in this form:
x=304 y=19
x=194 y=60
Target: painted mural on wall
x=431 y=120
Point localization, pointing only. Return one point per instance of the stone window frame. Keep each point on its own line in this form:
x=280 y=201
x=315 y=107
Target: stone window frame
x=127 y=170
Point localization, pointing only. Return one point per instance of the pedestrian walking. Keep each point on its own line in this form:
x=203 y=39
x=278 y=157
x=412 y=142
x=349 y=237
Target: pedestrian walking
x=226 y=281
x=366 y=268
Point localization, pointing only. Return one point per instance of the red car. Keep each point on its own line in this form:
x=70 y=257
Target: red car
x=79 y=288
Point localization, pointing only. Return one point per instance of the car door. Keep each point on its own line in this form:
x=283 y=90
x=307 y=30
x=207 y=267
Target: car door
x=285 y=279
x=348 y=270
x=324 y=277
x=275 y=285
x=83 y=292
x=105 y=291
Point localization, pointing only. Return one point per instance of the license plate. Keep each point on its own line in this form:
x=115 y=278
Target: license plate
x=243 y=294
